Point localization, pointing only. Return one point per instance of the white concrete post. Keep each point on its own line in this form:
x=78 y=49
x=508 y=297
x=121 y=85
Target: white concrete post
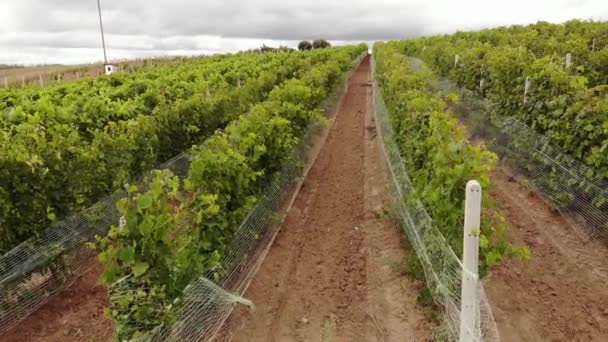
x=469 y=305
x=568 y=60
x=482 y=83
x=456 y=59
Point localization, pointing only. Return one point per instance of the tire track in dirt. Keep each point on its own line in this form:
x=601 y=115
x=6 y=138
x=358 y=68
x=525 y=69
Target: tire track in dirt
x=560 y=294
x=329 y=275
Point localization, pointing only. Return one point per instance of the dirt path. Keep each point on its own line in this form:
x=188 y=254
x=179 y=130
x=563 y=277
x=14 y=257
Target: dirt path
x=561 y=293
x=330 y=274
x=75 y=314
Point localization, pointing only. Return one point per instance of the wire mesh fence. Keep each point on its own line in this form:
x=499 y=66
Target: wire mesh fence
x=209 y=302
x=40 y=267
x=572 y=187
x=442 y=267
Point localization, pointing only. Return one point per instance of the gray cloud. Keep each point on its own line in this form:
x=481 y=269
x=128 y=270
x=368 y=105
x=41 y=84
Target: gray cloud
x=165 y=26
x=244 y=19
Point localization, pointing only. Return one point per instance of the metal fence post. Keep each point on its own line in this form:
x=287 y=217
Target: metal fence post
x=469 y=307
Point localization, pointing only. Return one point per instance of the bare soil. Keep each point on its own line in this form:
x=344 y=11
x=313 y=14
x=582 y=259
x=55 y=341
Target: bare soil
x=561 y=293
x=331 y=275
x=76 y=314
x=333 y=272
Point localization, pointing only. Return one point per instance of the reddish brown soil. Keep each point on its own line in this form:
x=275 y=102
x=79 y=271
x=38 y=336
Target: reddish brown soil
x=561 y=293
x=330 y=274
x=76 y=314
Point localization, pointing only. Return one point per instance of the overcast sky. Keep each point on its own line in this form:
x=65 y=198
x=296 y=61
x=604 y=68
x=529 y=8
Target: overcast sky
x=67 y=31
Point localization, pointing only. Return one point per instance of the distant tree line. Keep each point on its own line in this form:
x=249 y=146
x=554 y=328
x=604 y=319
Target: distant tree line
x=316 y=44
x=302 y=46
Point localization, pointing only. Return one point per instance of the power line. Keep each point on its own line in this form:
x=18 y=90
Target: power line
x=103 y=40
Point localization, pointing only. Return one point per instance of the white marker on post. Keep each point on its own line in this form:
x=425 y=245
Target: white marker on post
x=456 y=59
x=108 y=69
x=469 y=305
x=568 y=60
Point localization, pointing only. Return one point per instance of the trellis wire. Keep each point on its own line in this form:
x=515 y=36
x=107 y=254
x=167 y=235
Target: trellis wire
x=442 y=267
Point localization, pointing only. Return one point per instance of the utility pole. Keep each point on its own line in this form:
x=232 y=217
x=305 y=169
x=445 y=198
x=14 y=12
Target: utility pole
x=103 y=40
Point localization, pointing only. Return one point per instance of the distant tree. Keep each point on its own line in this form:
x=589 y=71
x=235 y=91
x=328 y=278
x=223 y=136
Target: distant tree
x=286 y=49
x=304 y=45
x=320 y=44
x=265 y=48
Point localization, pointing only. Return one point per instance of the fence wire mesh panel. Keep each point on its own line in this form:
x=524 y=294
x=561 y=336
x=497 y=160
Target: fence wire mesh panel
x=209 y=301
x=573 y=188
x=40 y=267
x=442 y=267
x=206 y=305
